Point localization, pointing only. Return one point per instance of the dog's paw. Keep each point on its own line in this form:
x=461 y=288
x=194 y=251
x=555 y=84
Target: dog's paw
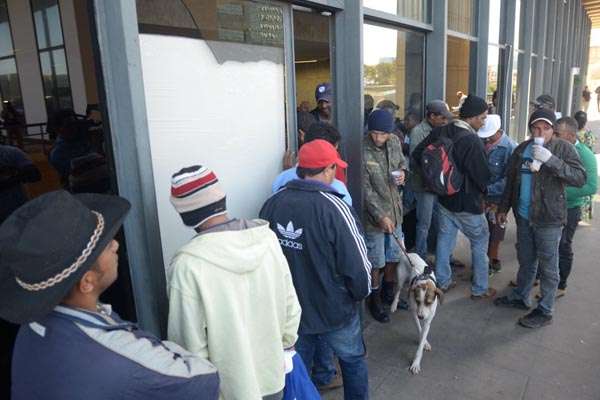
x=415 y=368
x=393 y=307
x=427 y=346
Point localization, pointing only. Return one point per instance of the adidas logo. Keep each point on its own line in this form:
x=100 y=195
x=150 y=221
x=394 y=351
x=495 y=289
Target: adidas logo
x=289 y=231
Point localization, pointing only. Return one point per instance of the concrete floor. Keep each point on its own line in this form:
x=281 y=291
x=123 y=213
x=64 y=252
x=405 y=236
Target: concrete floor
x=479 y=352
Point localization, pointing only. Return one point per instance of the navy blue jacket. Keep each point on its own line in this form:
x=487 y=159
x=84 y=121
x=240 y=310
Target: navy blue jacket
x=322 y=240
x=73 y=354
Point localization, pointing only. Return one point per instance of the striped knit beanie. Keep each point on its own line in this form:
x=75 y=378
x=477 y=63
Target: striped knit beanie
x=197 y=195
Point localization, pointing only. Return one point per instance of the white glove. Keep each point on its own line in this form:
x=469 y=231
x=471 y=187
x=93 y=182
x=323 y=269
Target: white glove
x=541 y=153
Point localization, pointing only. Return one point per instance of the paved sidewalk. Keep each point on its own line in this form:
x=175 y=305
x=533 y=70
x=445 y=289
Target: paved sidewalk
x=479 y=352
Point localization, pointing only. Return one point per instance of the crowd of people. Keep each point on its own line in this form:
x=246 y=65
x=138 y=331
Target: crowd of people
x=265 y=308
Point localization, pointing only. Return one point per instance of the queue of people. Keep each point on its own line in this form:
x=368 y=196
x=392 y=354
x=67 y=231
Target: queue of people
x=265 y=308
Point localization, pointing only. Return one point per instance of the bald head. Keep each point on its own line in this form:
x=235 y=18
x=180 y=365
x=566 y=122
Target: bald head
x=566 y=128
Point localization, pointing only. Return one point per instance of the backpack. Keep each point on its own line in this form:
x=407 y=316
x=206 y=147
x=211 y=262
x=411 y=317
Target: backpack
x=439 y=169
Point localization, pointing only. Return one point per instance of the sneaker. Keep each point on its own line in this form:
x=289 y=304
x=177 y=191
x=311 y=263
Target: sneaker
x=491 y=292
x=335 y=383
x=535 y=319
x=449 y=287
x=504 y=301
x=495 y=265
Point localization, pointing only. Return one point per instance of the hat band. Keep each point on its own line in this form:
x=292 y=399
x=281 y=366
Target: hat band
x=65 y=273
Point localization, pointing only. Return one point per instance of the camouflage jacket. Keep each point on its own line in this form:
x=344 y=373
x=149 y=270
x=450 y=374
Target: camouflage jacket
x=382 y=198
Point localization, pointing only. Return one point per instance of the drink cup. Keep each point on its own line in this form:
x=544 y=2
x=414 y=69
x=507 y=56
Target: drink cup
x=535 y=164
x=395 y=176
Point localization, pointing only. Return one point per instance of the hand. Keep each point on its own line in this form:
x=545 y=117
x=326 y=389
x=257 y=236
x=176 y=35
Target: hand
x=541 y=153
x=387 y=225
x=399 y=180
x=501 y=218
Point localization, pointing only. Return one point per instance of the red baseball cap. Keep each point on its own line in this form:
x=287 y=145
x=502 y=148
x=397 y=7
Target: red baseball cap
x=319 y=153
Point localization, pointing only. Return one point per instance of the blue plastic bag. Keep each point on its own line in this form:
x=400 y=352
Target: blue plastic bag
x=298 y=385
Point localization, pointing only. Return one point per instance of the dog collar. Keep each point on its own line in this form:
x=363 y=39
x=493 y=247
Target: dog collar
x=426 y=275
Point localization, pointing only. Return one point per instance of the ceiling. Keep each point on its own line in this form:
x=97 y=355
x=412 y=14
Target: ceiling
x=593 y=10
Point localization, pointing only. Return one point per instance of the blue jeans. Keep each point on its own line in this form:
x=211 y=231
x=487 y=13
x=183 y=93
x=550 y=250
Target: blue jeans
x=347 y=343
x=475 y=228
x=382 y=247
x=425 y=203
x=323 y=370
x=537 y=248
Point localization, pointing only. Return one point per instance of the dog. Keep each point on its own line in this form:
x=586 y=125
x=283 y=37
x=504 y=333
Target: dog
x=423 y=298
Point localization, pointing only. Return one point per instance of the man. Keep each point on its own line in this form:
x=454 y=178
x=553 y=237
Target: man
x=535 y=189
x=498 y=147
x=231 y=296
x=436 y=114
x=566 y=128
x=464 y=210
x=322 y=241
x=324 y=99
x=318 y=130
x=586 y=96
x=304 y=120
x=383 y=171
x=69 y=345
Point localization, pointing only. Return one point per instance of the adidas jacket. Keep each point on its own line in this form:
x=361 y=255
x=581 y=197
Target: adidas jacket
x=323 y=243
x=73 y=354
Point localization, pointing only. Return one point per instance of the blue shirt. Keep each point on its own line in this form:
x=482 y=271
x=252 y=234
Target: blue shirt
x=526 y=175
x=290 y=175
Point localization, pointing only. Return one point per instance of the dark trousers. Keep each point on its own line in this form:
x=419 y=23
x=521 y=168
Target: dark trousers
x=565 y=249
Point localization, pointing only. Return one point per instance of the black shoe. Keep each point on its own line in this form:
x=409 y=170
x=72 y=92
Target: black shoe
x=495 y=265
x=387 y=292
x=504 y=301
x=376 y=308
x=535 y=319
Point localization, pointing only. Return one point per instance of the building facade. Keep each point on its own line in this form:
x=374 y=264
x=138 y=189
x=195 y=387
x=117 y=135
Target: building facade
x=219 y=83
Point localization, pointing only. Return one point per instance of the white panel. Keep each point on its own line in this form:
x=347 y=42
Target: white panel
x=28 y=65
x=71 y=40
x=229 y=117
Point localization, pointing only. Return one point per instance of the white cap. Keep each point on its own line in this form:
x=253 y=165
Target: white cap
x=492 y=125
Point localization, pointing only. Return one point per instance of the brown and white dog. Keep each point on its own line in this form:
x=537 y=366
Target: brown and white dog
x=423 y=298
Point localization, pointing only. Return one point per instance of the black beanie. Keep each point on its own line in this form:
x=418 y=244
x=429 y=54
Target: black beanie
x=472 y=106
x=542 y=114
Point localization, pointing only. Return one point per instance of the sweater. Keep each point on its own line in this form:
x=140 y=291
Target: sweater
x=232 y=301
x=576 y=196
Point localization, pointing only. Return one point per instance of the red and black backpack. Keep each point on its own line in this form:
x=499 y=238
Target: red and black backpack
x=438 y=166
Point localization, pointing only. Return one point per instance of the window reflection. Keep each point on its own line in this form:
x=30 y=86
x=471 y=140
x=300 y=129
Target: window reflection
x=393 y=68
x=413 y=9
x=10 y=89
x=461 y=16
x=53 y=63
x=457 y=71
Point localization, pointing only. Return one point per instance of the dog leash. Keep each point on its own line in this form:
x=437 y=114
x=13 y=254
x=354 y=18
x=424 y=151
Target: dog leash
x=427 y=268
x=404 y=251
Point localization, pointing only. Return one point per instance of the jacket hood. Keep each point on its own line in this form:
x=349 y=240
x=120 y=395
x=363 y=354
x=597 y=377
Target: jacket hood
x=240 y=249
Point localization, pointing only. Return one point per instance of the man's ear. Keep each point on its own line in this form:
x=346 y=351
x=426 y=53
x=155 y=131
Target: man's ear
x=88 y=281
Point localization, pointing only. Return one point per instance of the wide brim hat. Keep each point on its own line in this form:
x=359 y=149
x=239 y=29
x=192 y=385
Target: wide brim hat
x=48 y=244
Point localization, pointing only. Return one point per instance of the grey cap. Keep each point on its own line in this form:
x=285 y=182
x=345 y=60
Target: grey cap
x=544 y=101
x=438 y=107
